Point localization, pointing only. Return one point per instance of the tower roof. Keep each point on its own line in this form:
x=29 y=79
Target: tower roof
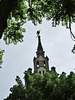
x=40 y=51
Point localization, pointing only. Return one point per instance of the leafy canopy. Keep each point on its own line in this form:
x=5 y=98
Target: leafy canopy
x=51 y=86
x=1 y=54
x=59 y=11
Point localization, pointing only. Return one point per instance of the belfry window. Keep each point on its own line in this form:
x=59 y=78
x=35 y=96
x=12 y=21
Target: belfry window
x=37 y=63
x=39 y=72
x=43 y=72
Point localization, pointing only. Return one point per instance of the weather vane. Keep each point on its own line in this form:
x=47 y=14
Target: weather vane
x=38 y=33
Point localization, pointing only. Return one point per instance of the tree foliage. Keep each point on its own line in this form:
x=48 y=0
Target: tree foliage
x=51 y=86
x=13 y=32
x=73 y=50
x=59 y=11
x=1 y=54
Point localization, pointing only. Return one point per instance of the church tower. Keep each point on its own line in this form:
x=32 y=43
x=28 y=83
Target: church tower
x=41 y=64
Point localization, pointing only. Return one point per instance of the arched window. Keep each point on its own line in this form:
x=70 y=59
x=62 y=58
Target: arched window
x=39 y=72
x=43 y=72
x=37 y=63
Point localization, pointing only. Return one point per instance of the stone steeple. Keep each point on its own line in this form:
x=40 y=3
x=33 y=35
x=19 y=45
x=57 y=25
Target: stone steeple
x=40 y=61
x=40 y=51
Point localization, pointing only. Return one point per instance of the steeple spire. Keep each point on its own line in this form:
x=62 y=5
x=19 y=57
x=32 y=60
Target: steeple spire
x=40 y=61
x=40 y=51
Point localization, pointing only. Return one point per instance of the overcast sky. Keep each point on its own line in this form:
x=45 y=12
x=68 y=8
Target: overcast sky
x=56 y=42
